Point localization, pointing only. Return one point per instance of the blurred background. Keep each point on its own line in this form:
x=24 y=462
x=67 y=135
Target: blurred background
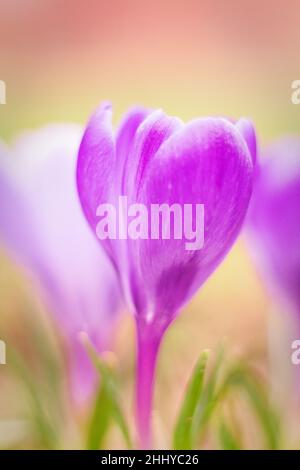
x=59 y=59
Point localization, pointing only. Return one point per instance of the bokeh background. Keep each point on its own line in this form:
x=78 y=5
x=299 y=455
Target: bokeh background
x=59 y=59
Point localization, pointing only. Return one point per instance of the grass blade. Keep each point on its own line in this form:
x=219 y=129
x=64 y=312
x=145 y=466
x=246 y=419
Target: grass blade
x=183 y=430
x=208 y=402
x=227 y=440
x=100 y=420
x=107 y=407
x=268 y=419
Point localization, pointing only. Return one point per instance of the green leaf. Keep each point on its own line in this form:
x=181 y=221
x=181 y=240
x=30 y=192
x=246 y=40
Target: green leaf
x=182 y=438
x=100 y=420
x=227 y=440
x=43 y=423
x=207 y=403
x=245 y=379
x=107 y=407
x=202 y=401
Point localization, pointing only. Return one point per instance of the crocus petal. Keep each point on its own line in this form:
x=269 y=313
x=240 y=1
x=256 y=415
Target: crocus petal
x=206 y=162
x=14 y=217
x=273 y=222
x=96 y=167
x=247 y=130
x=42 y=225
x=126 y=133
x=150 y=135
x=103 y=173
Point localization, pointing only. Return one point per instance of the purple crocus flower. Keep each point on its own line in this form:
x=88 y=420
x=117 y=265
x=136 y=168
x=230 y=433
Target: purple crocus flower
x=273 y=223
x=156 y=159
x=42 y=226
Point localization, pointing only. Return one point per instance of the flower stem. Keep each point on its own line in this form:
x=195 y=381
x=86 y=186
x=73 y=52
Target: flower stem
x=148 y=342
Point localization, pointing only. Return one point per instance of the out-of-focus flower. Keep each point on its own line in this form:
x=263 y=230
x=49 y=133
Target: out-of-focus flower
x=43 y=228
x=156 y=159
x=273 y=222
